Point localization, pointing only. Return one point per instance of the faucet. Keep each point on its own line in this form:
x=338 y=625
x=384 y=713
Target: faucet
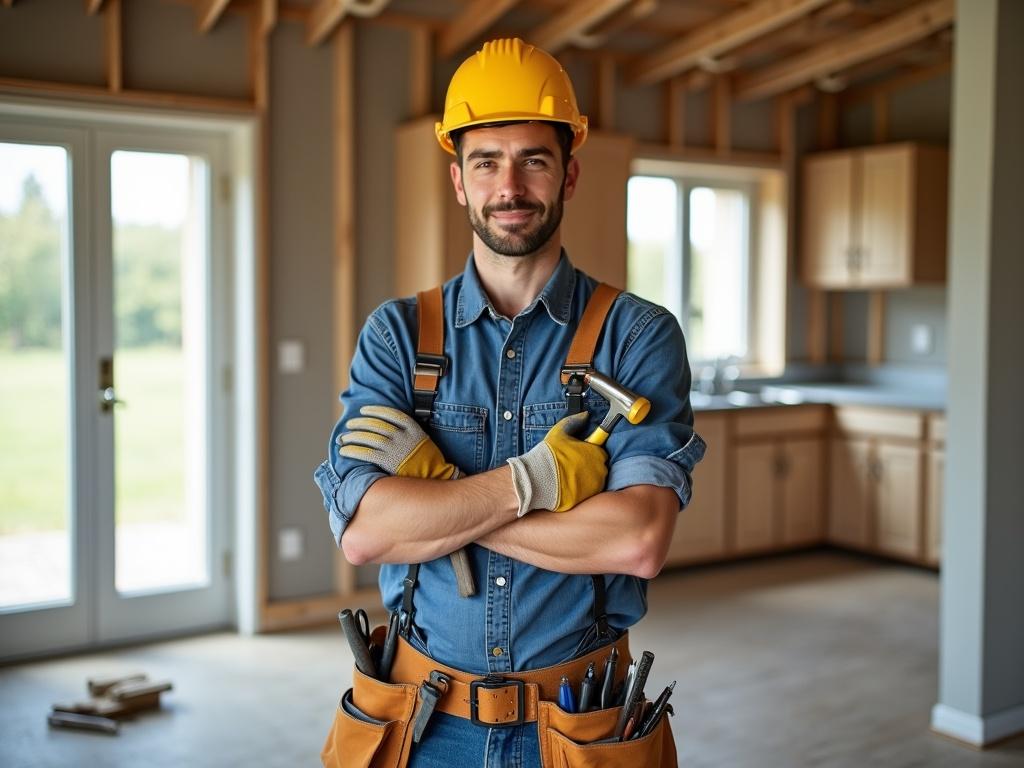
x=719 y=377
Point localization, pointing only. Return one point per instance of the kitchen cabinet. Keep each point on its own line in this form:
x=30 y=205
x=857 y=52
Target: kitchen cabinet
x=778 y=462
x=877 y=474
x=432 y=231
x=700 y=529
x=875 y=217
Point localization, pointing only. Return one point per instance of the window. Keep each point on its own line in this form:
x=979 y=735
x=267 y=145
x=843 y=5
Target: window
x=702 y=244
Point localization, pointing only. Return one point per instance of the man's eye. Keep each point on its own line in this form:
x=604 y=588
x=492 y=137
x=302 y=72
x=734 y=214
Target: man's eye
x=484 y=164
x=536 y=162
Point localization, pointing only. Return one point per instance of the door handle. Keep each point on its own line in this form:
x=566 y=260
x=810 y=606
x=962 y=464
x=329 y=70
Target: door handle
x=108 y=399
x=108 y=396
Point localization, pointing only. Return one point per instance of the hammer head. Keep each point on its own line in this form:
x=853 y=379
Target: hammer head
x=621 y=401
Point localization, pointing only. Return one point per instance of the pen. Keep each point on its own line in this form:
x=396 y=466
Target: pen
x=565 y=697
x=608 y=684
x=623 y=690
x=587 y=688
x=387 y=655
x=657 y=711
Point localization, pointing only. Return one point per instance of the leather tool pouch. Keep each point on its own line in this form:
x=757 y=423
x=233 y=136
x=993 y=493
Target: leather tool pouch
x=371 y=727
x=567 y=741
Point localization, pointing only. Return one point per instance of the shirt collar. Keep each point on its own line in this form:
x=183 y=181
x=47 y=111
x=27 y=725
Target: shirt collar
x=556 y=294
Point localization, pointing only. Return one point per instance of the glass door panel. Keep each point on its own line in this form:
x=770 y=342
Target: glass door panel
x=160 y=236
x=35 y=378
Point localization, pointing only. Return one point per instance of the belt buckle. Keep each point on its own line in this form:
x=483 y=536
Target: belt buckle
x=497 y=682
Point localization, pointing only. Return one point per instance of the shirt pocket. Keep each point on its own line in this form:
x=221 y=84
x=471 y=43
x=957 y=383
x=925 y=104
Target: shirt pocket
x=540 y=417
x=458 y=430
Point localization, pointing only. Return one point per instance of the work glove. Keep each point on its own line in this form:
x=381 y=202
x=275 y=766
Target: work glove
x=394 y=442
x=561 y=471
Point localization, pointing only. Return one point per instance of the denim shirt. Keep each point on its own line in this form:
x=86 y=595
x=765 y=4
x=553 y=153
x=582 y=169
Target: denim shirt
x=500 y=395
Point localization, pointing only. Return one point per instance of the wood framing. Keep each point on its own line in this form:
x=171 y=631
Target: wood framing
x=268 y=15
x=616 y=22
x=895 y=32
x=259 y=65
x=715 y=39
x=675 y=113
x=606 y=86
x=113 y=46
x=558 y=31
x=421 y=71
x=208 y=13
x=475 y=19
x=102 y=94
x=344 y=262
x=282 y=615
x=691 y=154
x=92 y=7
x=721 y=114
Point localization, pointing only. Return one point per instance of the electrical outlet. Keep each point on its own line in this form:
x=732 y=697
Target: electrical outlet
x=290 y=544
x=921 y=339
x=291 y=356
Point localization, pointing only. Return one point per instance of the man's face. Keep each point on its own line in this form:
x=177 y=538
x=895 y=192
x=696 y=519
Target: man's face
x=512 y=184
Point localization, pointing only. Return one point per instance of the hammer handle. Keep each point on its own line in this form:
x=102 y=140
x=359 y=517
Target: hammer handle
x=463 y=573
x=597 y=437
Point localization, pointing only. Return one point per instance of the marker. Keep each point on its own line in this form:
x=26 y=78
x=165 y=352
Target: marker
x=565 y=697
x=657 y=711
x=608 y=684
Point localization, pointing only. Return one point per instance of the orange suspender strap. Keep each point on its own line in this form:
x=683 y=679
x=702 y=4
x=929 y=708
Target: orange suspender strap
x=581 y=352
x=431 y=362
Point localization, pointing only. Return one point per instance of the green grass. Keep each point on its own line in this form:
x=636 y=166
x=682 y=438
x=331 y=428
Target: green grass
x=35 y=435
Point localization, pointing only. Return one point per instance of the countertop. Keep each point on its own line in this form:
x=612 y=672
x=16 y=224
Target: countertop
x=840 y=393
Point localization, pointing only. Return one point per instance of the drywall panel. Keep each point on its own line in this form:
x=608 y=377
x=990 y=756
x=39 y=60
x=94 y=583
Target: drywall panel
x=382 y=104
x=164 y=52
x=301 y=306
x=52 y=40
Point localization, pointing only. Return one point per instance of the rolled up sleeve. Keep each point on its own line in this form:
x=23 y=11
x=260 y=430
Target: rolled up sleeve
x=375 y=378
x=664 y=449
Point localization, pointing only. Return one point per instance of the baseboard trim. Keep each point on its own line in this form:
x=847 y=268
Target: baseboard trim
x=976 y=730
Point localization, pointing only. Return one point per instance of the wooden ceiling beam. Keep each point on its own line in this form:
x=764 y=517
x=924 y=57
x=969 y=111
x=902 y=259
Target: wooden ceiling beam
x=717 y=38
x=475 y=20
x=209 y=13
x=633 y=12
x=823 y=60
x=328 y=14
x=558 y=31
x=268 y=15
x=92 y=7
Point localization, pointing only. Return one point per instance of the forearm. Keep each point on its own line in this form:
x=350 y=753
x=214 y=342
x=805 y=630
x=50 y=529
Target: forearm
x=625 y=531
x=409 y=520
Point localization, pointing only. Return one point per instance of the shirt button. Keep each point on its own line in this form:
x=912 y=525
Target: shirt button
x=510 y=353
x=507 y=415
x=500 y=581
x=497 y=651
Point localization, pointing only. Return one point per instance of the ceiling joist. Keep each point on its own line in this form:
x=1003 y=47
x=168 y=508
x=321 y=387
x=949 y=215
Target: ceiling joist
x=717 y=38
x=558 y=31
x=92 y=7
x=473 y=21
x=328 y=14
x=598 y=35
x=209 y=13
x=825 y=59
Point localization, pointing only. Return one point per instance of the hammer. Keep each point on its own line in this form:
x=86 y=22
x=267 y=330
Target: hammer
x=621 y=402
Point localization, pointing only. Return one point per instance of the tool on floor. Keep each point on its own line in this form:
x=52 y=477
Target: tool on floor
x=621 y=403
x=111 y=698
x=356 y=627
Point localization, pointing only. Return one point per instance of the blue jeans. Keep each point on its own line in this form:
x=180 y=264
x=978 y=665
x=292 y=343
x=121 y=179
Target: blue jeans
x=451 y=742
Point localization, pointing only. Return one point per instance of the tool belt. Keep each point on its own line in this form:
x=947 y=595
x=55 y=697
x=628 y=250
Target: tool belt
x=375 y=722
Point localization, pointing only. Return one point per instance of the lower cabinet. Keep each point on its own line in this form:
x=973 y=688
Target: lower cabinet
x=700 y=529
x=778 y=463
x=849 y=518
x=936 y=472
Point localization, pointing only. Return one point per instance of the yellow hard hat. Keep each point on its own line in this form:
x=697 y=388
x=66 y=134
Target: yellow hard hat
x=507 y=81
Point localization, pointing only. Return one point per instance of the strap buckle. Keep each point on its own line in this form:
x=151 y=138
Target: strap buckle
x=574 y=387
x=432 y=367
x=504 y=702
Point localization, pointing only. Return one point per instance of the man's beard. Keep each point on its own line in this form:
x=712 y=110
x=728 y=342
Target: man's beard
x=513 y=241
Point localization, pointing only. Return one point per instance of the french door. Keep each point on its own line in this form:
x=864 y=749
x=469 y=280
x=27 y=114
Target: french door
x=114 y=384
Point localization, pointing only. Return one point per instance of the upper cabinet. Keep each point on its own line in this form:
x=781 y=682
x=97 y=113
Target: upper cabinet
x=875 y=217
x=432 y=232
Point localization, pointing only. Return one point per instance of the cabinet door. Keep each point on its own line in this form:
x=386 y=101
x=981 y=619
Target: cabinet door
x=802 y=501
x=700 y=529
x=757 y=477
x=850 y=503
x=898 y=471
x=884 y=255
x=827 y=220
x=934 y=506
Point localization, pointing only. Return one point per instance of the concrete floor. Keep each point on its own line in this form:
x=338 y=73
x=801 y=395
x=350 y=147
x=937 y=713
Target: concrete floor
x=810 y=660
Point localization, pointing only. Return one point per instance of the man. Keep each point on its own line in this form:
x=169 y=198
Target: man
x=498 y=452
